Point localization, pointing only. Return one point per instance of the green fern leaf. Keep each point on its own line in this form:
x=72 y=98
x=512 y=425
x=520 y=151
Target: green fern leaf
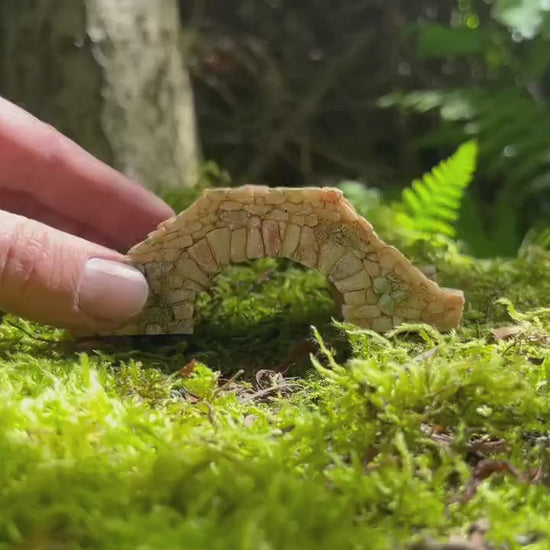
x=432 y=205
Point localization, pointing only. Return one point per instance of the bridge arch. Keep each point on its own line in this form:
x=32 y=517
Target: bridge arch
x=378 y=287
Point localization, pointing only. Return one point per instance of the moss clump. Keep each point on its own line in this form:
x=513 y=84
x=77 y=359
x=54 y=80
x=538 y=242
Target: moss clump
x=375 y=442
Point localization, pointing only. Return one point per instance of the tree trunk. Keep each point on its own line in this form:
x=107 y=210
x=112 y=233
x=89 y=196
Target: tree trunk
x=110 y=75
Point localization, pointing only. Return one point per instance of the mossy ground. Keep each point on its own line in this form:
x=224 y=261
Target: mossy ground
x=373 y=442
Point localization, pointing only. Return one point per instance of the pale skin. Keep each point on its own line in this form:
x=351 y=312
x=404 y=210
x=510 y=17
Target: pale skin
x=66 y=220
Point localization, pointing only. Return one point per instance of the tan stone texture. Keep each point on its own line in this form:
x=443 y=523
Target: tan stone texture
x=317 y=227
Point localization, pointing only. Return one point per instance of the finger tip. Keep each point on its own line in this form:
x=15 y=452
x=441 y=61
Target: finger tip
x=111 y=291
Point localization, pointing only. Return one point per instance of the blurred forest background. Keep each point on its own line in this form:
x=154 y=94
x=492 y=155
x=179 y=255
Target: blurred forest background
x=292 y=93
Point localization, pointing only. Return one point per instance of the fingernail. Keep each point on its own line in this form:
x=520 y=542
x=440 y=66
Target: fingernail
x=111 y=290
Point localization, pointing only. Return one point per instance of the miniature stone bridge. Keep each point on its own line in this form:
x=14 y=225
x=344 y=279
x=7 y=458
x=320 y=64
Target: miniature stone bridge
x=376 y=286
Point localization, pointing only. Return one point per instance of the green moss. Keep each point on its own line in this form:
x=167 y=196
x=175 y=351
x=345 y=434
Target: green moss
x=370 y=444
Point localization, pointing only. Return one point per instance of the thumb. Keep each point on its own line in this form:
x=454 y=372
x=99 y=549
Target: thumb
x=59 y=279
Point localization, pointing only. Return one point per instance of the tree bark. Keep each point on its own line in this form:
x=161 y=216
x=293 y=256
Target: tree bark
x=110 y=75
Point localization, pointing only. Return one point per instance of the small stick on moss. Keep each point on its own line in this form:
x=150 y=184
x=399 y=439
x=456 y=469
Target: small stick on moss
x=228 y=382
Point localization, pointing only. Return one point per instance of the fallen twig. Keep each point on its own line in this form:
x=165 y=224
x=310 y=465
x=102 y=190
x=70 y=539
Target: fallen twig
x=228 y=382
x=484 y=470
x=266 y=391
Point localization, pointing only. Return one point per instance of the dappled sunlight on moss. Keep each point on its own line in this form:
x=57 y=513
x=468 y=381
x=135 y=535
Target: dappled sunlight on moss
x=135 y=456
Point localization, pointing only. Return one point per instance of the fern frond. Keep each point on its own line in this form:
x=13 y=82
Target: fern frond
x=432 y=205
x=538 y=237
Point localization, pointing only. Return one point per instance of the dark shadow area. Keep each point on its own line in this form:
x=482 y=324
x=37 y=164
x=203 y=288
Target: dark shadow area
x=255 y=316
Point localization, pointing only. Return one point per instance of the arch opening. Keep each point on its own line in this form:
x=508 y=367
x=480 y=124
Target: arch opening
x=268 y=298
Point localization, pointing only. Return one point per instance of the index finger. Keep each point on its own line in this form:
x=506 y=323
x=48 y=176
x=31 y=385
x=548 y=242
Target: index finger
x=37 y=159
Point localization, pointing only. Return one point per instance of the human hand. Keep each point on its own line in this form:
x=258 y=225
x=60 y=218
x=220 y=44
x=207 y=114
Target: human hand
x=64 y=216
